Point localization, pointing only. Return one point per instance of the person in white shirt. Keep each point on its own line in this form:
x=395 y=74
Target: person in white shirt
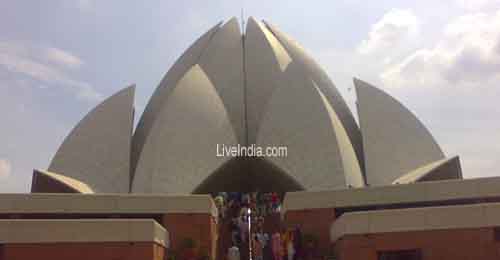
x=243 y=225
x=233 y=253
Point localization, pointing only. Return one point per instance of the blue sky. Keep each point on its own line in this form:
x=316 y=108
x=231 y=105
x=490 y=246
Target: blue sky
x=58 y=59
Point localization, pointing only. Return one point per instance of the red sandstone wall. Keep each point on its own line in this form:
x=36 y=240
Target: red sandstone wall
x=83 y=251
x=460 y=244
x=202 y=228
x=313 y=221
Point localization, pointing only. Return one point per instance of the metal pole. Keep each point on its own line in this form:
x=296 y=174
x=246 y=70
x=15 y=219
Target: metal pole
x=249 y=211
x=242 y=21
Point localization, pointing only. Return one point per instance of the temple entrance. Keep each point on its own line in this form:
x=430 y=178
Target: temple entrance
x=246 y=223
x=248 y=174
x=248 y=193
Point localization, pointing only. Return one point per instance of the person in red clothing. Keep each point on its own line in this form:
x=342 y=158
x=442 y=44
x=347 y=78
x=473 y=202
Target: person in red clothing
x=275 y=200
x=189 y=254
x=276 y=246
x=257 y=248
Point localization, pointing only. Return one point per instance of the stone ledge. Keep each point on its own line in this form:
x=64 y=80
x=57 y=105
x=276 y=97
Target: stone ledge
x=69 y=203
x=416 y=219
x=34 y=231
x=423 y=192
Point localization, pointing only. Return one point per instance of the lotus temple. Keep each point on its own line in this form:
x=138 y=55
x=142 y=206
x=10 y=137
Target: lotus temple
x=376 y=188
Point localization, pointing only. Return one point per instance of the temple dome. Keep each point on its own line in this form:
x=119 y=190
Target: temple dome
x=253 y=88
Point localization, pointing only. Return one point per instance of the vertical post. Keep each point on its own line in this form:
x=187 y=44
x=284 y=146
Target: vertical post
x=242 y=21
x=249 y=217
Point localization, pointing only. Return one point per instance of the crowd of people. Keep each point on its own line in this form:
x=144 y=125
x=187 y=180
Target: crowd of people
x=260 y=204
x=247 y=213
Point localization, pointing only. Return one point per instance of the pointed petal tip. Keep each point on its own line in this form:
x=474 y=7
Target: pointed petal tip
x=251 y=22
x=356 y=80
x=130 y=90
x=232 y=23
x=232 y=19
x=131 y=87
x=358 y=83
x=252 y=19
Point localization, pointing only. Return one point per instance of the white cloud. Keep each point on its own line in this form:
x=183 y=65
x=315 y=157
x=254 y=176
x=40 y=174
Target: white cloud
x=30 y=62
x=454 y=82
x=393 y=28
x=63 y=58
x=467 y=54
x=475 y=5
x=5 y=169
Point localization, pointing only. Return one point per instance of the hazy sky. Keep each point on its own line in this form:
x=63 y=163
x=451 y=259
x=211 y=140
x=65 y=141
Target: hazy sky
x=58 y=59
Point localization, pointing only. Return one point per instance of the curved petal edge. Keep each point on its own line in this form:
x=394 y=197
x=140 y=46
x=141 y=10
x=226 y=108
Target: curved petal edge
x=317 y=73
x=394 y=140
x=445 y=169
x=97 y=150
x=157 y=101
x=49 y=182
x=180 y=151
